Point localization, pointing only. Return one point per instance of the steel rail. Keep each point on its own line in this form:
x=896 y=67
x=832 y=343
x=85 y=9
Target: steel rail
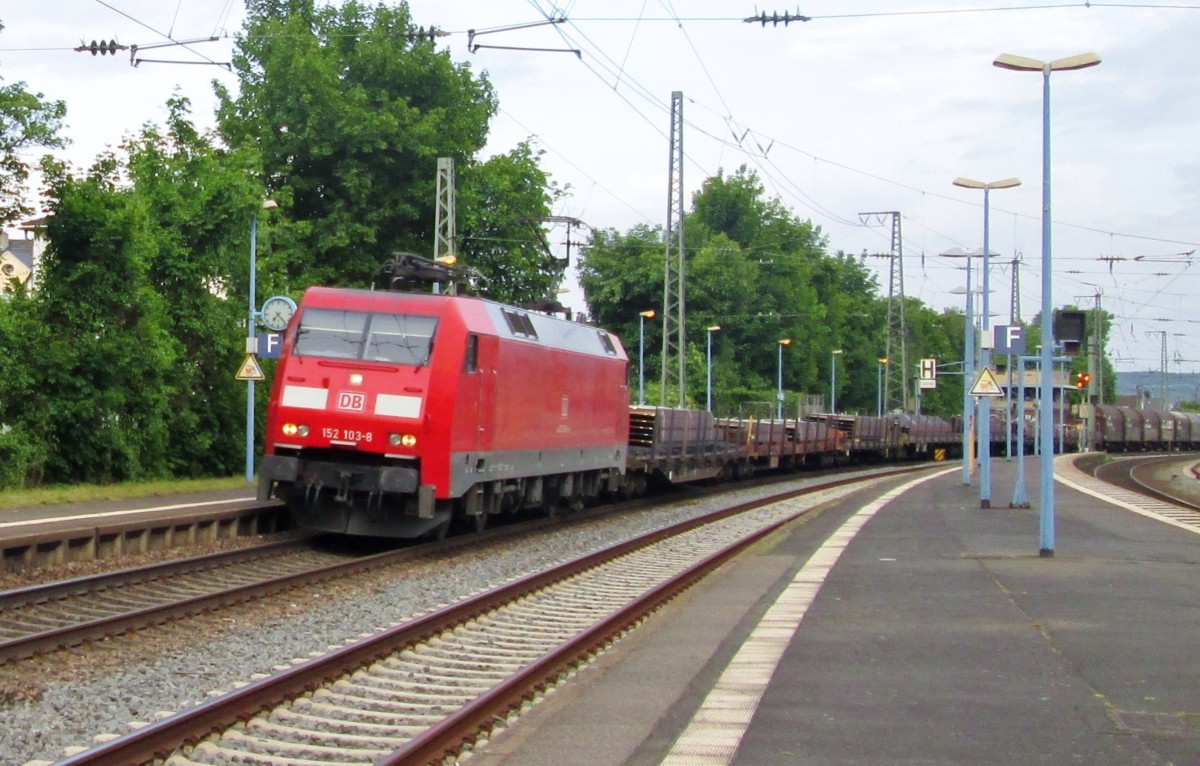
x=50 y=591
x=160 y=739
x=1155 y=491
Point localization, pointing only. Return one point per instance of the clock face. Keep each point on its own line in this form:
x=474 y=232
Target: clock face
x=277 y=312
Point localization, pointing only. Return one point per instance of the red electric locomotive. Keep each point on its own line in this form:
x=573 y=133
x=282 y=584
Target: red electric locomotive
x=393 y=413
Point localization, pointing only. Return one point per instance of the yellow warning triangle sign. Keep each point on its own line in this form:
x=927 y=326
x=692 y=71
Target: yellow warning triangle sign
x=986 y=384
x=250 y=369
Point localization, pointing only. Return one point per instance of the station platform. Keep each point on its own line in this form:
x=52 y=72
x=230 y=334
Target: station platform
x=907 y=626
x=53 y=535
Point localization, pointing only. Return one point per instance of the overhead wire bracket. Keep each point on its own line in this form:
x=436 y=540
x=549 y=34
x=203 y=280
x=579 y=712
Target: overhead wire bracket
x=472 y=46
x=135 y=60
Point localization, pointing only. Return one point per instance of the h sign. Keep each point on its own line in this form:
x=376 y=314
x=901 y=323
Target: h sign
x=1009 y=339
x=929 y=369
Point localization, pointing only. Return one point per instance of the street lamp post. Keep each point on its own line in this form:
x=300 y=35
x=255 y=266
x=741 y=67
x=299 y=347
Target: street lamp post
x=251 y=326
x=1025 y=64
x=984 y=415
x=708 y=397
x=879 y=387
x=642 y=317
x=833 y=380
x=779 y=380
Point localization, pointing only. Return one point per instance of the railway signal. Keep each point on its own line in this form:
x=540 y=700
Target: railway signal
x=1082 y=380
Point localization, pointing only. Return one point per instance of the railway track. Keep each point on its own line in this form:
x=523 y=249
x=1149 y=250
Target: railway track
x=431 y=687
x=1118 y=480
x=44 y=618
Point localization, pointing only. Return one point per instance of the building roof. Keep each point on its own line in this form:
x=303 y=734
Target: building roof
x=22 y=250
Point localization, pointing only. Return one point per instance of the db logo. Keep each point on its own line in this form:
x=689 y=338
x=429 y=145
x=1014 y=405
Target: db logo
x=352 y=401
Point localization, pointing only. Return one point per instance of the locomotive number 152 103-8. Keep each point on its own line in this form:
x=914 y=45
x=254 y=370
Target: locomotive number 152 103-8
x=346 y=434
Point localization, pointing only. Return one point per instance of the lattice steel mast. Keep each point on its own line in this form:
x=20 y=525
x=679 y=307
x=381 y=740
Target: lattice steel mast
x=1162 y=368
x=1014 y=311
x=674 y=328
x=895 y=385
x=443 y=227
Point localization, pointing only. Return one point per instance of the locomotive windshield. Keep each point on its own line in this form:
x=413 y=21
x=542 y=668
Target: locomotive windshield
x=338 y=334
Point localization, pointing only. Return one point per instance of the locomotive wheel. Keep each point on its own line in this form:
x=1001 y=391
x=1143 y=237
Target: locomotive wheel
x=480 y=522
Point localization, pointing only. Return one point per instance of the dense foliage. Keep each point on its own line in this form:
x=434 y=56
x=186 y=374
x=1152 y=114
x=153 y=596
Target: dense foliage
x=26 y=121
x=121 y=364
x=762 y=275
x=350 y=112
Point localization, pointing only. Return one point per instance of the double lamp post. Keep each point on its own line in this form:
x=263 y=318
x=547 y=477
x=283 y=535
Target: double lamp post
x=1046 y=425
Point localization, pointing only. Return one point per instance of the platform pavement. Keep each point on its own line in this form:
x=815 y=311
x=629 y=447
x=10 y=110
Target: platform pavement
x=84 y=514
x=940 y=636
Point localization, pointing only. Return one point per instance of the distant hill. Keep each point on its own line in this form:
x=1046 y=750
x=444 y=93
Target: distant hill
x=1180 y=386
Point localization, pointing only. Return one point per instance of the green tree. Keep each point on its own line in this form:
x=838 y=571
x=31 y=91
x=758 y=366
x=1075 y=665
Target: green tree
x=500 y=205
x=105 y=366
x=350 y=113
x=199 y=198
x=760 y=273
x=26 y=120
x=24 y=408
x=937 y=335
x=622 y=276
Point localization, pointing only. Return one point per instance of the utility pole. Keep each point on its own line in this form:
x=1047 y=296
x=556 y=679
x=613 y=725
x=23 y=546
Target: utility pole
x=895 y=387
x=674 y=332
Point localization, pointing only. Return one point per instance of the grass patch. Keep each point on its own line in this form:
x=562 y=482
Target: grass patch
x=124 y=491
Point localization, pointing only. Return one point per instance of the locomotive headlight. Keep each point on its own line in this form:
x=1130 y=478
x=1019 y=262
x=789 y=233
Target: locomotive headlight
x=402 y=440
x=356 y=378
x=292 y=429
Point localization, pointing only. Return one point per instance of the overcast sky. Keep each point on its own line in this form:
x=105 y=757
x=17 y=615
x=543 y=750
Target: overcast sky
x=868 y=107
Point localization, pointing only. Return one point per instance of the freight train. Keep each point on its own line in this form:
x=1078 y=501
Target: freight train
x=396 y=414
x=1131 y=429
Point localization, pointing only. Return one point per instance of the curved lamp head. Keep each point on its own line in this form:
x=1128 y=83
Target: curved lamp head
x=1026 y=64
x=969 y=183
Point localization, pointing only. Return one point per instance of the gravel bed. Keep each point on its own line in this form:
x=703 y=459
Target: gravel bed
x=49 y=705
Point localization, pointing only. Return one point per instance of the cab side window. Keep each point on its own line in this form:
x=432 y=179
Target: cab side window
x=471 y=360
